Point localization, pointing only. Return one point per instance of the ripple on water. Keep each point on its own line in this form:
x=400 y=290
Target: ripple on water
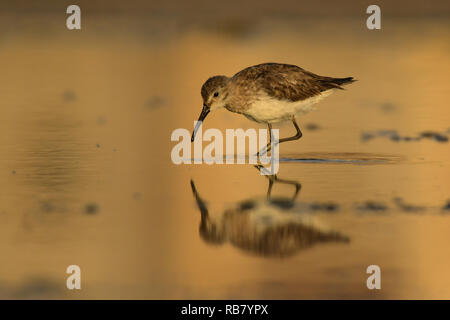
x=345 y=157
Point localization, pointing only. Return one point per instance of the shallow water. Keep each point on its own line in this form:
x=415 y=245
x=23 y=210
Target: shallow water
x=87 y=177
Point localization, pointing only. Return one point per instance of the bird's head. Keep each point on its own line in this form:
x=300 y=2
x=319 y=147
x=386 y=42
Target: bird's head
x=209 y=230
x=214 y=94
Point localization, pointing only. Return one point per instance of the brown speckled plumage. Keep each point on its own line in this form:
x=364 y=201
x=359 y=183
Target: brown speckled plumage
x=284 y=81
x=211 y=84
x=268 y=93
x=279 y=81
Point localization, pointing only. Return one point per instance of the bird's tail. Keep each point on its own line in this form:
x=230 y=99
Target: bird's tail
x=342 y=81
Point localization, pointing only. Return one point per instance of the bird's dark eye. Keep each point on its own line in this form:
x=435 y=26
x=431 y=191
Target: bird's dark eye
x=216 y=94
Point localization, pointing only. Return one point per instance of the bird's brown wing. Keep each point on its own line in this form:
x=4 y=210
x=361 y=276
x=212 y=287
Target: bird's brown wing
x=287 y=82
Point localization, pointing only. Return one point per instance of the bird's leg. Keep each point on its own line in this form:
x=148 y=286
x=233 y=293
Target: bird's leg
x=297 y=185
x=274 y=178
x=269 y=188
x=260 y=167
x=297 y=136
x=268 y=146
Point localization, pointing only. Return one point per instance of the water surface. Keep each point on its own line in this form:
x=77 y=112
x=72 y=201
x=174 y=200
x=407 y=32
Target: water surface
x=86 y=176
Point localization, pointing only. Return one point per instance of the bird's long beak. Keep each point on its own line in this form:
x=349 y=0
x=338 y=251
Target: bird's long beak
x=202 y=117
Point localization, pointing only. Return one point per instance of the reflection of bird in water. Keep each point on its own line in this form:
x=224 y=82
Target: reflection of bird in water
x=268 y=226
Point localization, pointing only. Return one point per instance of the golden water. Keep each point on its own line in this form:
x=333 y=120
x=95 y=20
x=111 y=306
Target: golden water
x=86 y=118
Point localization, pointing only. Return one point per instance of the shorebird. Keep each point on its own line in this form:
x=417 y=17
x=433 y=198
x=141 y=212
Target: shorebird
x=268 y=93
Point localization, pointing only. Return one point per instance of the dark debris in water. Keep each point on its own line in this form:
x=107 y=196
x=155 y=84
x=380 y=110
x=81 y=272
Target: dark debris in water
x=393 y=135
x=91 y=208
x=137 y=196
x=155 y=102
x=69 y=96
x=282 y=203
x=37 y=288
x=52 y=206
x=446 y=206
x=101 y=120
x=370 y=205
x=325 y=206
x=47 y=207
x=434 y=136
x=388 y=107
x=312 y=126
x=408 y=207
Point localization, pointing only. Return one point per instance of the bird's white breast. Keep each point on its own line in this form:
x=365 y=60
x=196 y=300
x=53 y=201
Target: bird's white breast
x=269 y=110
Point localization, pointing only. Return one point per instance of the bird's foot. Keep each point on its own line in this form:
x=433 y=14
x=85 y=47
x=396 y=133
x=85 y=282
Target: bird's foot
x=261 y=168
x=263 y=151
